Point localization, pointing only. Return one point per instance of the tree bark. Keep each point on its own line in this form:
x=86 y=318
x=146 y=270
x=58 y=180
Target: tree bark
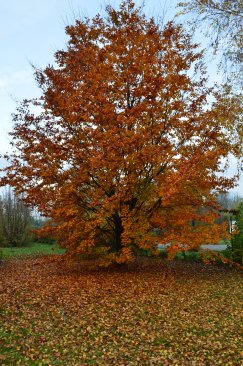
x=118 y=232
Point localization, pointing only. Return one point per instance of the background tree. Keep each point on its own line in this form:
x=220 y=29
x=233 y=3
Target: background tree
x=228 y=201
x=123 y=139
x=229 y=205
x=222 y=21
x=2 y=238
x=15 y=220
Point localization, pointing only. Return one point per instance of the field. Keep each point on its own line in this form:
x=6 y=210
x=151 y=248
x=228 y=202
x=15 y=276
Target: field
x=33 y=249
x=153 y=312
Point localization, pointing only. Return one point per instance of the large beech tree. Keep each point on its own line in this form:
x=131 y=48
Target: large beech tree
x=123 y=139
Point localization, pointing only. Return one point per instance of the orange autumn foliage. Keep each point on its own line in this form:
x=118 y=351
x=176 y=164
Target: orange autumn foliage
x=127 y=137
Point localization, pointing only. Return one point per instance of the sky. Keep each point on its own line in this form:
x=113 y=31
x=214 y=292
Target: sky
x=30 y=33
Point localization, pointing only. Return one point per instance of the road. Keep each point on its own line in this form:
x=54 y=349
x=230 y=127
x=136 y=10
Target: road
x=217 y=248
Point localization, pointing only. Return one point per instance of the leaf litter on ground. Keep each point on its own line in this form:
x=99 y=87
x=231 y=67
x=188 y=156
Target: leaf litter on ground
x=152 y=312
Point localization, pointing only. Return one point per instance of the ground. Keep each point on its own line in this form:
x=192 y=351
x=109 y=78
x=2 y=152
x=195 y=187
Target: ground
x=153 y=312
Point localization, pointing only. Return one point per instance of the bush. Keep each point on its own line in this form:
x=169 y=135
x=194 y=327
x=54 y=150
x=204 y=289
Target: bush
x=188 y=255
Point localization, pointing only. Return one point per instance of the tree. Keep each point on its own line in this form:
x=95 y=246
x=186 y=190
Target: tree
x=237 y=239
x=228 y=208
x=15 y=220
x=123 y=140
x=228 y=201
x=2 y=238
x=221 y=20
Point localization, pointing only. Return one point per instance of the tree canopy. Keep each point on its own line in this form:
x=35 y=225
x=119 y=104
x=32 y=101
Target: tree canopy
x=126 y=138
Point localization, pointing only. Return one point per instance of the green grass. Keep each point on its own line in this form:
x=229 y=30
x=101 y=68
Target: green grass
x=190 y=255
x=32 y=249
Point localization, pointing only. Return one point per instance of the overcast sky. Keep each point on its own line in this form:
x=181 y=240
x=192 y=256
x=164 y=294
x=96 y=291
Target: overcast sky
x=31 y=31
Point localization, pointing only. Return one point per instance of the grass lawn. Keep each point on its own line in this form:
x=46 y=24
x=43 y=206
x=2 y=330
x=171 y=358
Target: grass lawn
x=153 y=312
x=33 y=249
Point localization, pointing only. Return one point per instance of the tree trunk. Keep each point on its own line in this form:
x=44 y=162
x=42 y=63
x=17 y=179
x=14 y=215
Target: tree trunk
x=118 y=232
